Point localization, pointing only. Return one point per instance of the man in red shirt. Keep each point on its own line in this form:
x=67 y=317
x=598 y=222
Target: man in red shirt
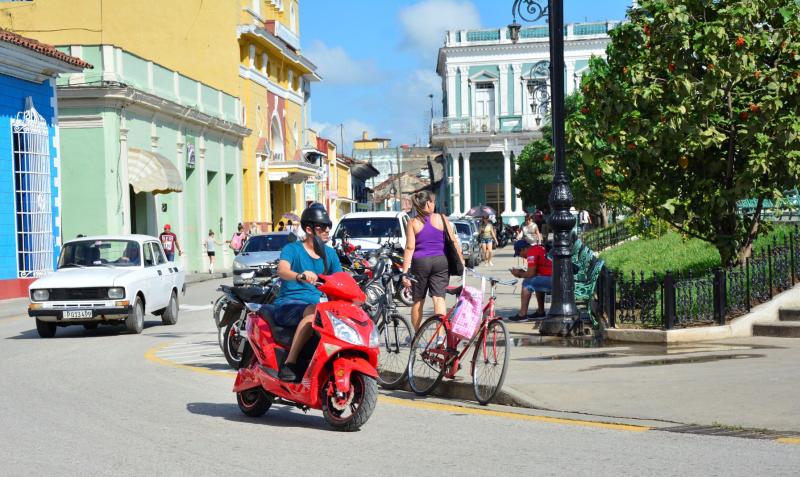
x=537 y=277
x=170 y=243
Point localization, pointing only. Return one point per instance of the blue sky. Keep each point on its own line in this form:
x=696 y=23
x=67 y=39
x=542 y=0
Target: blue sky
x=378 y=58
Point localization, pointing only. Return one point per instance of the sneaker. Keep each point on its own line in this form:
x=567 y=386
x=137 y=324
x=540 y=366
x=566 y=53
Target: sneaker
x=287 y=373
x=517 y=318
x=537 y=316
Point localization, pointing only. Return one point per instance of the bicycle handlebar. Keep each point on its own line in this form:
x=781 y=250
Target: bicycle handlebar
x=510 y=283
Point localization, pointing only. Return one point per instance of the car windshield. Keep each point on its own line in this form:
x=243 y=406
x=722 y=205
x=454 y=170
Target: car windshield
x=462 y=228
x=98 y=253
x=369 y=227
x=266 y=243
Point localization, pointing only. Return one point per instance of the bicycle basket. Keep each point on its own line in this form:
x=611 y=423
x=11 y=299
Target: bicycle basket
x=467 y=315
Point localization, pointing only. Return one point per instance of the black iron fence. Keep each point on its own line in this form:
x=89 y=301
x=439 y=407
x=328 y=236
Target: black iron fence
x=601 y=239
x=679 y=301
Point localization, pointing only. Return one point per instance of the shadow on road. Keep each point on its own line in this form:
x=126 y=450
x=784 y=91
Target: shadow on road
x=78 y=331
x=277 y=416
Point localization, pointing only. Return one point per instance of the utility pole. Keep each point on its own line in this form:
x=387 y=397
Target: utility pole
x=399 y=190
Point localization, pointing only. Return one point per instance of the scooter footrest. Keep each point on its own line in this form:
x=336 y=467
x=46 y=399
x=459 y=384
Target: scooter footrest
x=269 y=371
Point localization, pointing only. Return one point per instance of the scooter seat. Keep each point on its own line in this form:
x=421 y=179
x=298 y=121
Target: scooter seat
x=282 y=335
x=454 y=290
x=250 y=294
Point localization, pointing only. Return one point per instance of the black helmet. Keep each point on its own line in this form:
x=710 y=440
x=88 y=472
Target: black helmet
x=315 y=214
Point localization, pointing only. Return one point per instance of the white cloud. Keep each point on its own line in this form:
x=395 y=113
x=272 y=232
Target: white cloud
x=336 y=66
x=425 y=23
x=351 y=130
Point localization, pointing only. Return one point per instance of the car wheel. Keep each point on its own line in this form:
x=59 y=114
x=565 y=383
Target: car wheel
x=45 y=328
x=170 y=314
x=135 y=320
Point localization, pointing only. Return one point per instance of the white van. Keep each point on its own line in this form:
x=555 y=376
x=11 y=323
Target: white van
x=372 y=229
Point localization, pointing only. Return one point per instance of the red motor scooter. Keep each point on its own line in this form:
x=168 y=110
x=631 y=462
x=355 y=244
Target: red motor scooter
x=338 y=364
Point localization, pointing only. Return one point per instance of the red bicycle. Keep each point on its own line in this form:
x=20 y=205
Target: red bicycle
x=436 y=352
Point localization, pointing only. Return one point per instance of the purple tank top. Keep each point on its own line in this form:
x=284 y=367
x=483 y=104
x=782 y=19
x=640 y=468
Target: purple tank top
x=429 y=241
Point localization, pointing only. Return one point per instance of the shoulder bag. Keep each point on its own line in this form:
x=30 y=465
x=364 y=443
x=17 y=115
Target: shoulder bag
x=454 y=265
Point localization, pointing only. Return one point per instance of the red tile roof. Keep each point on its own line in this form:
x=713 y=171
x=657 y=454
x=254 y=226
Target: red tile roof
x=43 y=48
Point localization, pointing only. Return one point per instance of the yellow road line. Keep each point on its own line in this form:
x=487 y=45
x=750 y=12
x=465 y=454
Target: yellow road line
x=789 y=440
x=150 y=355
x=511 y=415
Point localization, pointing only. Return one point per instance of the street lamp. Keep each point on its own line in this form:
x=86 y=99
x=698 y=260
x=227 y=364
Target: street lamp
x=563 y=312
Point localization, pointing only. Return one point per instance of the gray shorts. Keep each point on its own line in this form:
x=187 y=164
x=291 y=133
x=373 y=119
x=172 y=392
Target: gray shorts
x=431 y=275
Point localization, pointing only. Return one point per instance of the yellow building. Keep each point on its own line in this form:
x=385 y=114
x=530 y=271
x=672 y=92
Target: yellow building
x=367 y=143
x=282 y=164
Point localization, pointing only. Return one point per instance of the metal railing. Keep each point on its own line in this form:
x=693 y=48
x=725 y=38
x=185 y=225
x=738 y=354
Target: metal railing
x=486 y=125
x=712 y=297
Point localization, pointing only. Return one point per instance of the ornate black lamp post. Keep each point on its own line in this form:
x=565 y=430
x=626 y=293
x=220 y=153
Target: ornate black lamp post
x=562 y=311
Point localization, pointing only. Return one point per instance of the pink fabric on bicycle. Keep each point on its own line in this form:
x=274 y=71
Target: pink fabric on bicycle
x=468 y=313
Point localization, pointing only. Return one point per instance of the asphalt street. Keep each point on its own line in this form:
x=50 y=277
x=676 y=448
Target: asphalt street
x=103 y=402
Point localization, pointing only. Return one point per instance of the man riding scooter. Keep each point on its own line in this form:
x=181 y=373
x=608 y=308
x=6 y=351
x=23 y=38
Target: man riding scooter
x=300 y=264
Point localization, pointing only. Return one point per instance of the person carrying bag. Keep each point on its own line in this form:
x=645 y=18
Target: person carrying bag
x=430 y=248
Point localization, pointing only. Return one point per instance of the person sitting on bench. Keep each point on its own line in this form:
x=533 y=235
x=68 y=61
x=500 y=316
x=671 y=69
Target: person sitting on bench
x=537 y=278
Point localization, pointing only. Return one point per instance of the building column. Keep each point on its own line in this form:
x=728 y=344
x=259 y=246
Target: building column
x=451 y=92
x=189 y=246
x=123 y=174
x=467 y=183
x=456 y=185
x=518 y=209
x=202 y=201
x=502 y=90
x=516 y=71
x=506 y=182
x=464 y=91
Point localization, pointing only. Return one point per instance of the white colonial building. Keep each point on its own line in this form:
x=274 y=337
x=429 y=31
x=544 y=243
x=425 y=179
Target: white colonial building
x=494 y=101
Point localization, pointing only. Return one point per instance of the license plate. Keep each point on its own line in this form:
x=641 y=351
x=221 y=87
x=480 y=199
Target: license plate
x=78 y=314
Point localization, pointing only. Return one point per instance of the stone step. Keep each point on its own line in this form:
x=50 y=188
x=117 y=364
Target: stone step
x=779 y=329
x=789 y=314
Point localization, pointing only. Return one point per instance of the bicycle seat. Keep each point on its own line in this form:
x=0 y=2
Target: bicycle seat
x=282 y=335
x=454 y=290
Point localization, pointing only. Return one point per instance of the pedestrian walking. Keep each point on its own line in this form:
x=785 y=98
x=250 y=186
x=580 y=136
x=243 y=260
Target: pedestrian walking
x=237 y=240
x=210 y=245
x=585 y=220
x=537 y=277
x=488 y=237
x=169 y=241
x=530 y=231
x=425 y=256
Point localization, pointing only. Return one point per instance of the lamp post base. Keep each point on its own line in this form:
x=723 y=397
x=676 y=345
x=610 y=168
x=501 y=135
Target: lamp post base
x=557 y=326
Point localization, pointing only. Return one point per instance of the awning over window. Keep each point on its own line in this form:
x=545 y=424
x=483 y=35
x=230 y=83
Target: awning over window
x=151 y=172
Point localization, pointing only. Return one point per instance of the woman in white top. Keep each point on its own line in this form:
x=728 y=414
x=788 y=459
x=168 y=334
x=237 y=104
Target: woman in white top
x=530 y=232
x=210 y=245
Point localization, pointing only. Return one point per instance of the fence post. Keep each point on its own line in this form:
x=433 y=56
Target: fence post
x=720 y=296
x=747 y=280
x=669 y=300
x=612 y=300
x=791 y=254
x=769 y=270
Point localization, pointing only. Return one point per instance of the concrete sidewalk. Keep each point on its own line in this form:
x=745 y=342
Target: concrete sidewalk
x=749 y=382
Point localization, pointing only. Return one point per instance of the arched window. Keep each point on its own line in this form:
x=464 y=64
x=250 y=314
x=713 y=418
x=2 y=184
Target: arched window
x=34 y=216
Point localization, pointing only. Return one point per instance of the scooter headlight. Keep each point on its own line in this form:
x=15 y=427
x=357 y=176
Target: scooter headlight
x=373 y=338
x=345 y=332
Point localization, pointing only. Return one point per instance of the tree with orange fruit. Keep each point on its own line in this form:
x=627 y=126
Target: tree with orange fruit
x=696 y=107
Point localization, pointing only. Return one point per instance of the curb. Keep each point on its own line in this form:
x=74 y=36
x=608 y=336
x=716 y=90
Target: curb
x=462 y=390
x=205 y=277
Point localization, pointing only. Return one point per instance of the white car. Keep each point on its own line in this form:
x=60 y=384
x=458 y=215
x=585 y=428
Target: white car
x=107 y=279
x=371 y=229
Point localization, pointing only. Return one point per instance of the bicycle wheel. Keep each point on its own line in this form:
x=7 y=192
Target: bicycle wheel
x=395 y=338
x=490 y=361
x=425 y=368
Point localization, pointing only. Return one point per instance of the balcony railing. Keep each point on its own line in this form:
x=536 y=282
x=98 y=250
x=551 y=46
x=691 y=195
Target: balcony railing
x=486 y=125
x=572 y=31
x=287 y=35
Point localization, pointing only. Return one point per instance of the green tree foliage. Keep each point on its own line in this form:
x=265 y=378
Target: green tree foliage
x=695 y=108
x=534 y=174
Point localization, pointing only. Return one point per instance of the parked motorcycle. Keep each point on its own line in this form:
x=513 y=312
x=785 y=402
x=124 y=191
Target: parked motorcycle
x=504 y=234
x=337 y=365
x=231 y=309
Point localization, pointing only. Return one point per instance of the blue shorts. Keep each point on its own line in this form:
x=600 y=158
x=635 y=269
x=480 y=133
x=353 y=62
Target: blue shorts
x=289 y=313
x=489 y=240
x=540 y=283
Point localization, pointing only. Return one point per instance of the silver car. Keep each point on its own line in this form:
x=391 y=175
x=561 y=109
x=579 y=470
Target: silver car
x=468 y=236
x=260 y=252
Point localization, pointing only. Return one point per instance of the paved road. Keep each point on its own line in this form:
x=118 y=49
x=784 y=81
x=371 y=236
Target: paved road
x=106 y=403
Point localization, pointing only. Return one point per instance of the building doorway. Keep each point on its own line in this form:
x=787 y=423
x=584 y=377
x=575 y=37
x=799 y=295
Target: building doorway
x=484 y=106
x=143 y=213
x=493 y=197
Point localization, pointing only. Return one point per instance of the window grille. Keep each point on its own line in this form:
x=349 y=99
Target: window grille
x=34 y=217
x=493 y=196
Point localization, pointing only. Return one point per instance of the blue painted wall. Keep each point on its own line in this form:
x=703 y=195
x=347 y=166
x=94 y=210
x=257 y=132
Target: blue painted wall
x=13 y=92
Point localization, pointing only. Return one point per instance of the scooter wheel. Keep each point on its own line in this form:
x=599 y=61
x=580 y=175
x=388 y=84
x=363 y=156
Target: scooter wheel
x=253 y=402
x=351 y=412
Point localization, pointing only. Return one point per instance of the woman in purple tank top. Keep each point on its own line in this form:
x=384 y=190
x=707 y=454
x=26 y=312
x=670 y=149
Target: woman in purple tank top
x=424 y=255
